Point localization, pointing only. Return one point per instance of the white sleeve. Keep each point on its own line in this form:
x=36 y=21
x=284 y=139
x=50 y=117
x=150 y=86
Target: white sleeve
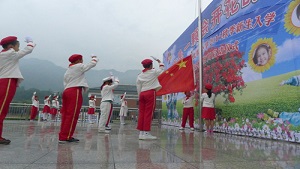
x=88 y=66
x=21 y=53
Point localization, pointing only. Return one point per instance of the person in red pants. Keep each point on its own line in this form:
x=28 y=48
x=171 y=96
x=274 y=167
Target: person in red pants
x=74 y=82
x=10 y=74
x=147 y=84
x=55 y=108
x=92 y=107
x=34 y=107
x=188 y=111
x=46 y=109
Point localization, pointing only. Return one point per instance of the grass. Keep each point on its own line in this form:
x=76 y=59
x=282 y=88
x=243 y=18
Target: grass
x=258 y=96
x=261 y=95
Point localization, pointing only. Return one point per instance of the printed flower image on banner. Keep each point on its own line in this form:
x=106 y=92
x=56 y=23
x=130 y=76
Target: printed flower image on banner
x=292 y=18
x=224 y=73
x=262 y=54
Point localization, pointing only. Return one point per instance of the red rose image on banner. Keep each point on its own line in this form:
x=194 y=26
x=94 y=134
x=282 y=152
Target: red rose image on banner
x=224 y=73
x=178 y=78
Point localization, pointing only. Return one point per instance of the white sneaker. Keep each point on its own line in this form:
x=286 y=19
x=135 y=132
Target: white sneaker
x=122 y=123
x=91 y=122
x=62 y=141
x=192 y=129
x=149 y=137
x=141 y=137
x=108 y=128
x=181 y=128
x=103 y=131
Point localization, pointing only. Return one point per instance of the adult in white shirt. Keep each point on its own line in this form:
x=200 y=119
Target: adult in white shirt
x=74 y=83
x=208 y=108
x=147 y=84
x=10 y=74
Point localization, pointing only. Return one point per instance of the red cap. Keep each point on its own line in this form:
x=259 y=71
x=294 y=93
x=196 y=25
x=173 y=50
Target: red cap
x=7 y=40
x=92 y=97
x=75 y=57
x=208 y=86
x=46 y=97
x=146 y=62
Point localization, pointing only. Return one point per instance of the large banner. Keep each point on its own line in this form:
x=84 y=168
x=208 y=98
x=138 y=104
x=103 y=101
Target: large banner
x=185 y=45
x=251 y=55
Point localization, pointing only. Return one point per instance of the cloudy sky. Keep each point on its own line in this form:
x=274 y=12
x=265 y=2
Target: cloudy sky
x=120 y=32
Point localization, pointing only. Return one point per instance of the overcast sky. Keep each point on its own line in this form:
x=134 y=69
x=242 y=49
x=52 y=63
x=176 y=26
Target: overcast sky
x=120 y=32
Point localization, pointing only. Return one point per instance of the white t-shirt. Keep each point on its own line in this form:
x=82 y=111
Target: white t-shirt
x=188 y=102
x=208 y=102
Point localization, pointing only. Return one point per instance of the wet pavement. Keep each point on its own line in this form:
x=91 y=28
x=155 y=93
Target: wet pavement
x=35 y=145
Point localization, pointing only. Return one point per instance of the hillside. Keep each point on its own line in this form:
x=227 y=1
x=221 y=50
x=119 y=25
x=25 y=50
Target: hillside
x=45 y=75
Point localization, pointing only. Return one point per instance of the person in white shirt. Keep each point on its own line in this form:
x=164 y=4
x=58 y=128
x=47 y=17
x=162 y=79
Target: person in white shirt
x=109 y=84
x=123 y=109
x=91 y=110
x=188 y=110
x=147 y=84
x=74 y=83
x=55 y=107
x=46 y=109
x=34 y=107
x=10 y=74
x=208 y=108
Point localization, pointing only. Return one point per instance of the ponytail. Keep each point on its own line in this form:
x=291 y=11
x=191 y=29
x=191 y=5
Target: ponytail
x=209 y=93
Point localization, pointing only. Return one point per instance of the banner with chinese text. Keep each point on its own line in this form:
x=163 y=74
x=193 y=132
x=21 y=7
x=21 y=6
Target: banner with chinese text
x=251 y=55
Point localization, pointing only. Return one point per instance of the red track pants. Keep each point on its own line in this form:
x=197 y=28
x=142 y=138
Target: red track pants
x=8 y=89
x=188 y=112
x=71 y=105
x=147 y=101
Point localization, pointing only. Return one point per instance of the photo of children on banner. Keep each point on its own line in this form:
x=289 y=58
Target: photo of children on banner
x=296 y=16
x=262 y=54
x=293 y=81
x=171 y=106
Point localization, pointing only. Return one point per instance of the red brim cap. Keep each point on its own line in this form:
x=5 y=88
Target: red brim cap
x=147 y=62
x=208 y=86
x=8 y=40
x=75 y=57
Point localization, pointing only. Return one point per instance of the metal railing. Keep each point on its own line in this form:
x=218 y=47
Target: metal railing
x=21 y=111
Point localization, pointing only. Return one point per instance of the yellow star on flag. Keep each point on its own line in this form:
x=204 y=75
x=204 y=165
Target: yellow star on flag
x=182 y=64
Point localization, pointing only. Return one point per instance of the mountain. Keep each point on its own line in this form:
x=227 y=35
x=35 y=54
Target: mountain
x=45 y=75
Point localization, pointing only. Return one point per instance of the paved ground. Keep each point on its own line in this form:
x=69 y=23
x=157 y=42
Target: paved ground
x=35 y=145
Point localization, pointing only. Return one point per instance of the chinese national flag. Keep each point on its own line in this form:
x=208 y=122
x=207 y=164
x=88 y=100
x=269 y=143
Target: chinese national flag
x=178 y=78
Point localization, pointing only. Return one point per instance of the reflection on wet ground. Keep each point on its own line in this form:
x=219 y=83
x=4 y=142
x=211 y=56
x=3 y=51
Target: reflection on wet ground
x=35 y=145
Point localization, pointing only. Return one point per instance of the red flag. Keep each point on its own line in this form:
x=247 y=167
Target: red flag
x=178 y=78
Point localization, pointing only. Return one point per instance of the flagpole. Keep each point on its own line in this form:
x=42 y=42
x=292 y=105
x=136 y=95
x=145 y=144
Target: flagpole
x=200 y=63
